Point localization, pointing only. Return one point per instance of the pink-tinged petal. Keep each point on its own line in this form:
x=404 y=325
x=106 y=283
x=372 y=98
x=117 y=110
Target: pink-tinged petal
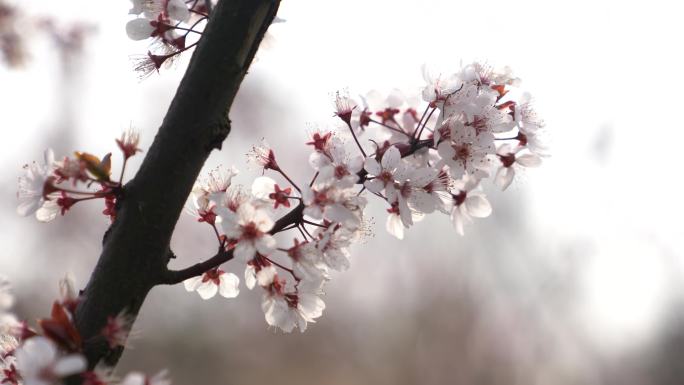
x=529 y=160
x=405 y=213
x=336 y=259
x=355 y=164
x=422 y=176
x=422 y=201
x=391 y=158
x=139 y=29
x=266 y=275
x=228 y=287
x=280 y=315
x=48 y=211
x=71 y=364
x=246 y=213
x=318 y=160
x=28 y=206
x=394 y=226
x=372 y=166
x=177 y=10
x=340 y=214
x=263 y=221
x=244 y=251
x=457 y=220
x=207 y=289
x=478 y=206
x=314 y=212
x=504 y=149
x=265 y=244
x=262 y=187
x=504 y=177
x=37 y=352
x=445 y=150
x=301 y=324
x=374 y=185
x=191 y=284
x=311 y=306
x=250 y=277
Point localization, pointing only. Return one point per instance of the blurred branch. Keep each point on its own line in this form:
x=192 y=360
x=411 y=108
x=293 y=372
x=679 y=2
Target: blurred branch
x=136 y=251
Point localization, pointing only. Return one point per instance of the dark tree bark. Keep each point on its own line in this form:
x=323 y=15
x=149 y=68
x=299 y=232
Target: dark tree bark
x=136 y=247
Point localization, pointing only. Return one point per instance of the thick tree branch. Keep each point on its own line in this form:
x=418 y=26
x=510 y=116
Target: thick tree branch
x=136 y=249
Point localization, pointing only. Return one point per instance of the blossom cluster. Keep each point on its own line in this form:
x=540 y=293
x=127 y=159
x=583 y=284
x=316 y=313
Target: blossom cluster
x=472 y=127
x=53 y=352
x=48 y=189
x=167 y=23
x=422 y=154
x=172 y=27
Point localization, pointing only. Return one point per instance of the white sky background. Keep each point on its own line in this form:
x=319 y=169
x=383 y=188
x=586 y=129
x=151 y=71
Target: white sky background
x=599 y=70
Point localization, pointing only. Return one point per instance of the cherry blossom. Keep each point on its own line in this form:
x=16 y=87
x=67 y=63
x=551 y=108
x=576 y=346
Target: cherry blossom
x=468 y=202
x=249 y=226
x=428 y=157
x=266 y=189
x=334 y=164
x=259 y=271
x=439 y=86
x=289 y=309
x=509 y=160
x=307 y=261
x=151 y=9
x=212 y=282
x=32 y=195
x=328 y=201
x=466 y=152
x=384 y=174
x=39 y=363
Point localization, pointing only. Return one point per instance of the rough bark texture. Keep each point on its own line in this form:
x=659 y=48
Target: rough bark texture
x=136 y=247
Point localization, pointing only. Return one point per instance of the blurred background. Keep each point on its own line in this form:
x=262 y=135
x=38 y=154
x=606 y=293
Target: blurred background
x=576 y=278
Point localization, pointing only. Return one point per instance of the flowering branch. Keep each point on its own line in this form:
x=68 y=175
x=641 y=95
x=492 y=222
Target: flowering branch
x=136 y=249
x=412 y=173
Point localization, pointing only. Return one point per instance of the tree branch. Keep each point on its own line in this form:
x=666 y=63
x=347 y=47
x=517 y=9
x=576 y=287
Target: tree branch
x=136 y=250
x=172 y=277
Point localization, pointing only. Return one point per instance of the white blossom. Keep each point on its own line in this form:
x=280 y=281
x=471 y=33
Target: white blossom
x=289 y=309
x=212 y=282
x=509 y=161
x=468 y=202
x=39 y=362
x=465 y=152
x=385 y=173
x=32 y=195
x=249 y=226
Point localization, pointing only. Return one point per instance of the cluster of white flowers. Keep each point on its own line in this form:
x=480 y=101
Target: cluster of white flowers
x=172 y=27
x=28 y=358
x=418 y=157
x=471 y=127
x=156 y=18
x=244 y=224
x=31 y=193
x=48 y=189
